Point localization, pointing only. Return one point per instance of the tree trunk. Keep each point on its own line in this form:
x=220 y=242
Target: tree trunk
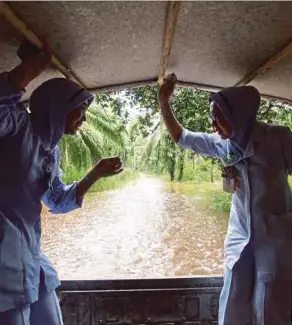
x=195 y=162
x=181 y=165
x=158 y=159
x=212 y=171
x=125 y=157
x=171 y=168
x=134 y=160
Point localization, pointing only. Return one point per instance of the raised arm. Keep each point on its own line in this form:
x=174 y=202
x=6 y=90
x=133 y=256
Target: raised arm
x=29 y=69
x=12 y=85
x=200 y=143
x=172 y=124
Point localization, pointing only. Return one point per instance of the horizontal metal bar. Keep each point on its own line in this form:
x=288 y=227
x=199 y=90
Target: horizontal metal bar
x=142 y=284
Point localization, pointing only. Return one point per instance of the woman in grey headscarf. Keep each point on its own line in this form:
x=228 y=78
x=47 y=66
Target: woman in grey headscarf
x=29 y=175
x=258 y=246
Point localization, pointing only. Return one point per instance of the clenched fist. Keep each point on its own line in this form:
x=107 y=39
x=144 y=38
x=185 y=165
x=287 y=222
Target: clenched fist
x=167 y=88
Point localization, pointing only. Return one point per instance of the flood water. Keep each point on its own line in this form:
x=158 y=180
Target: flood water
x=148 y=228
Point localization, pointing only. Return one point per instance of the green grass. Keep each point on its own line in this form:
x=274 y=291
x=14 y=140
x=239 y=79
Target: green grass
x=215 y=198
x=212 y=195
x=222 y=202
x=104 y=184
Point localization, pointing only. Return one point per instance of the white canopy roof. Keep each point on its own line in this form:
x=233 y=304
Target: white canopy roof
x=108 y=45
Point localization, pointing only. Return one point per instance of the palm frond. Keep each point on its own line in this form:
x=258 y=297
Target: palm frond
x=75 y=152
x=106 y=127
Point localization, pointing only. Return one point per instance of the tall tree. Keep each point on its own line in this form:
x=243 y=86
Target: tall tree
x=191 y=109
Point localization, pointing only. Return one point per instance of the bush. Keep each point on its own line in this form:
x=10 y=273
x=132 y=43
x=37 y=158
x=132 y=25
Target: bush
x=222 y=201
x=104 y=184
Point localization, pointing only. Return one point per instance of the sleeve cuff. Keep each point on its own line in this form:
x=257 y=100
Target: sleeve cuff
x=72 y=202
x=182 y=139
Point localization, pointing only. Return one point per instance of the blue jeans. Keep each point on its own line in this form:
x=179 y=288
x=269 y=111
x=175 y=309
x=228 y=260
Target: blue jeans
x=45 y=311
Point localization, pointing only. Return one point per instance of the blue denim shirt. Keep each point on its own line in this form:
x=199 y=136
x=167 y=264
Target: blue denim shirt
x=29 y=175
